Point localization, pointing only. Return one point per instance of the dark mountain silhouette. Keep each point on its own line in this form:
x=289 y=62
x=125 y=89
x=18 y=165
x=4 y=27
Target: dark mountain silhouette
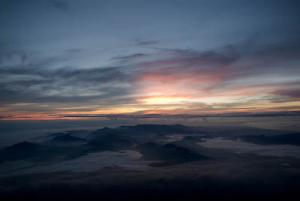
x=168 y=154
x=23 y=150
x=143 y=133
x=159 y=129
x=146 y=129
x=110 y=141
x=67 y=138
x=41 y=152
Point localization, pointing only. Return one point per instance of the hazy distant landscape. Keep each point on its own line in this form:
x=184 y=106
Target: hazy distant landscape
x=154 y=161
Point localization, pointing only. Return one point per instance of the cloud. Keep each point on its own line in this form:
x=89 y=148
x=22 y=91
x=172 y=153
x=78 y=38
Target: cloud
x=232 y=75
x=188 y=59
x=146 y=42
x=129 y=58
x=63 y=85
x=10 y=58
x=292 y=93
x=59 y=4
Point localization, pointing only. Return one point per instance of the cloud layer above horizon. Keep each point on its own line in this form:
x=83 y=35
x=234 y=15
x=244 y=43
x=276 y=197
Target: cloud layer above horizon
x=62 y=57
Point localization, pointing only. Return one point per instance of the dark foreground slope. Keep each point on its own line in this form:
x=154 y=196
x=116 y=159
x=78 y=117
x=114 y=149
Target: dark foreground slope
x=230 y=180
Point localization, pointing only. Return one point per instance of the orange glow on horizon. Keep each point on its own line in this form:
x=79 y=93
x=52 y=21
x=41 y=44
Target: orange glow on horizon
x=172 y=94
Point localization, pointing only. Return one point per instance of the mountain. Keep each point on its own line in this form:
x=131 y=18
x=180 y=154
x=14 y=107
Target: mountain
x=168 y=154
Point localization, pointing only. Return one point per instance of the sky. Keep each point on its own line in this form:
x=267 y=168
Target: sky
x=60 y=58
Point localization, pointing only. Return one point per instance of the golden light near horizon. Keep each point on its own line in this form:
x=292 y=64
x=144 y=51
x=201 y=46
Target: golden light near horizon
x=163 y=100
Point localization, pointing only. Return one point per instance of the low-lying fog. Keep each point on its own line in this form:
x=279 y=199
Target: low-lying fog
x=218 y=159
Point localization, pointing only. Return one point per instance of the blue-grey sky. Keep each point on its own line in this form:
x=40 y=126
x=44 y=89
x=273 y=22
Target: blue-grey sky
x=62 y=57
